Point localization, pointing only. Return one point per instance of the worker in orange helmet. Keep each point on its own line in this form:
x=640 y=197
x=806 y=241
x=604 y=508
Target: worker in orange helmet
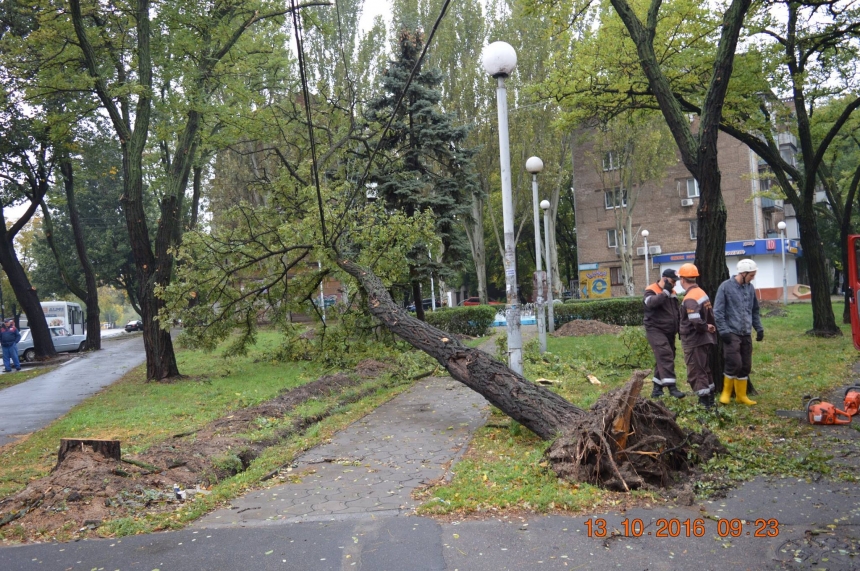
x=661 y=328
x=698 y=335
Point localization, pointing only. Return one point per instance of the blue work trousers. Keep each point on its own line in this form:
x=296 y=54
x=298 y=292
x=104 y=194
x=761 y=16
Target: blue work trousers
x=11 y=353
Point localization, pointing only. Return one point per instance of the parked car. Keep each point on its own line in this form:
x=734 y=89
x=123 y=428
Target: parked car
x=427 y=303
x=477 y=301
x=136 y=325
x=63 y=342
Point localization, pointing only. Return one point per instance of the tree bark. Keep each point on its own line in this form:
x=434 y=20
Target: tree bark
x=91 y=295
x=623 y=442
x=845 y=229
x=195 y=197
x=25 y=293
x=538 y=409
x=475 y=234
x=823 y=319
x=698 y=152
x=110 y=449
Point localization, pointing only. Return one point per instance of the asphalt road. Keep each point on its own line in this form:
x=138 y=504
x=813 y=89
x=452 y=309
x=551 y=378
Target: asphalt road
x=817 y=529
x=36 y=403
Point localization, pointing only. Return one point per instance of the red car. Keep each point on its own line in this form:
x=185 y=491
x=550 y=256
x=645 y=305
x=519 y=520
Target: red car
x=477 y=301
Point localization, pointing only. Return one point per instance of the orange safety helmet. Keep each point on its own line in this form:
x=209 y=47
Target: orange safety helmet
x=689 y=271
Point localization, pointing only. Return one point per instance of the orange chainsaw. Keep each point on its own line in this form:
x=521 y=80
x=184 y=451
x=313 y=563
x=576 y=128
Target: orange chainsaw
x=852 y=400
x=820 y=412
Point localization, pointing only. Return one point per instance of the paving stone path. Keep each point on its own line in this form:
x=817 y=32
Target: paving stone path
x=372 y=466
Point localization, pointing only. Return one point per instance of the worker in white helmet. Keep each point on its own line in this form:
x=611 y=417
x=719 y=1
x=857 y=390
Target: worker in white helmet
x=736 y=313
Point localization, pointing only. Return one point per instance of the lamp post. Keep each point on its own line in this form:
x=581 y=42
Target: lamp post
x=432 y=286
x=499 y=60
x=534 y=165
x=550 y=312
x=781 y=227
x=645 y=234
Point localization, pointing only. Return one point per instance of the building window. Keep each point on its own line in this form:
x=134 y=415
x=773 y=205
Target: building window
x=694 y=229
x=615 y=198
x=610 y=161
x=612 y=238
x=766 y=180
x=692 y=188
x=615 y=276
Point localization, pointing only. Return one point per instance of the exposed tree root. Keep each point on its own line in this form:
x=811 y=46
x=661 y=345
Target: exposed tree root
x=650 y=450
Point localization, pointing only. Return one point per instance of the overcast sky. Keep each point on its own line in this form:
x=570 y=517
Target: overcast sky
x=372 y=9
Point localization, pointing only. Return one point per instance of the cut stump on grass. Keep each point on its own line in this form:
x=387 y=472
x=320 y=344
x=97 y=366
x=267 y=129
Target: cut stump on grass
x=110 y=449
x=623 y=442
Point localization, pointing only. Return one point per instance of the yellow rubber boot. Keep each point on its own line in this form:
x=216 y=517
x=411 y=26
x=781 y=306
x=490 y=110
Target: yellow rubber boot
x=728 y=384
x=741 y=392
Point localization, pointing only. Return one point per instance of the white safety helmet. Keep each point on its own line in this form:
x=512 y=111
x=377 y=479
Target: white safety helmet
x=747 y=266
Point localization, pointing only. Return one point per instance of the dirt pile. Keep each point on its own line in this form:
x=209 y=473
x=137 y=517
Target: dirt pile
x=582 y=327
x=87 y=488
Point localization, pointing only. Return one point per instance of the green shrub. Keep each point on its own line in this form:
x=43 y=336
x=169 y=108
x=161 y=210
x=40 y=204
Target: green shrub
x=473 y=320
x=615 y=310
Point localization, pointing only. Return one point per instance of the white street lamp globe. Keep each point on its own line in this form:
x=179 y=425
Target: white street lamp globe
x=499 y=59
x=645 y=233
x=544 y=204
x=534 y=165
x=781 y=225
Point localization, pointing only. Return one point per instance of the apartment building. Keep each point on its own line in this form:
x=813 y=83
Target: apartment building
x=667 y=210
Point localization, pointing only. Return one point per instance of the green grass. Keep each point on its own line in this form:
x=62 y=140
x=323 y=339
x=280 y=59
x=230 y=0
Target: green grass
x=505 y=468
x=10 y=379
x=140 y=414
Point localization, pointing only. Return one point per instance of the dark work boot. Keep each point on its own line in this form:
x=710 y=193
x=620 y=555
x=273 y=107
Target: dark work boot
x=673 y=390
x=707 y=401
x=657 y=391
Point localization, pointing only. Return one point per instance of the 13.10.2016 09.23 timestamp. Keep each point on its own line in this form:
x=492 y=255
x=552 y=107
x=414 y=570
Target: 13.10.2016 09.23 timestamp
x=674 y=527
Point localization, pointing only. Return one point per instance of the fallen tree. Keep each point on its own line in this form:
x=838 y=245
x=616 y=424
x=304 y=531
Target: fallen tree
x=623 y=442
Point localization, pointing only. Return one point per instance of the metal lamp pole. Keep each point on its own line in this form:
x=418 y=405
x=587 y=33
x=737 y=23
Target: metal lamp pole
x=550 y=312
x=534 y=165
x=645 y=234
x=499 y=60
x=781 y=227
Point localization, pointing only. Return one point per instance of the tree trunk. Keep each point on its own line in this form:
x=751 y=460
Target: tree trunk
x=538 y=409
x=823 y=319
x=623 y=442
x=475 y=234
x=91 y=295
x=845 y=229
x=195 y=196
x=110 y=449
x=25 y=293
x=711 y=249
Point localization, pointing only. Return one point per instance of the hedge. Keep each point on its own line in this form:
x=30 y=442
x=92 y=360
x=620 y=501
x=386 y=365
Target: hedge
x=473 y=320
x=615 y=311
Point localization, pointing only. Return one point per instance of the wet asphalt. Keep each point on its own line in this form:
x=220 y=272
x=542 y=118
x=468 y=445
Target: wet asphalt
x=31 y=405
x=347 y=505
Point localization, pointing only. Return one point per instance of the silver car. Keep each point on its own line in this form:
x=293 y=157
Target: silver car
x=63 y=342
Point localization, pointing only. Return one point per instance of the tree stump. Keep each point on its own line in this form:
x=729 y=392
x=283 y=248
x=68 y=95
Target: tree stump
x=110 y=449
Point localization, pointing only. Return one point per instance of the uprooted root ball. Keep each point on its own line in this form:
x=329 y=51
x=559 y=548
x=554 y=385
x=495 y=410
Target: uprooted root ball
x=626 y=442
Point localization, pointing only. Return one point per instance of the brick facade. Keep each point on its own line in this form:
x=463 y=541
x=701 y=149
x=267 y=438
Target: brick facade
x=659 y=209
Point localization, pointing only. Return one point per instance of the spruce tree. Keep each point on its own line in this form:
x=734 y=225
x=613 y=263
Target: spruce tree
x=422 y=163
